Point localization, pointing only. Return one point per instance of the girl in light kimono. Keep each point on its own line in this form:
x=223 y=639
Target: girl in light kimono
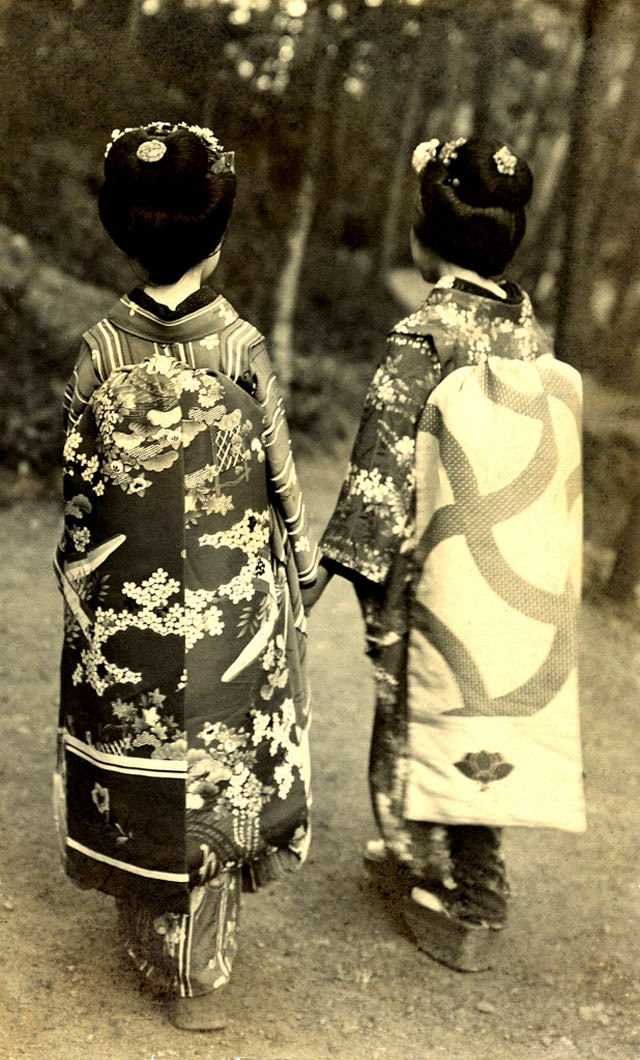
x=183 y=771
x=459 y=524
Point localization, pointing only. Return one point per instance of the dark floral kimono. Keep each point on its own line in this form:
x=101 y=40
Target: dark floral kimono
x=183 y=748
x=459 y=522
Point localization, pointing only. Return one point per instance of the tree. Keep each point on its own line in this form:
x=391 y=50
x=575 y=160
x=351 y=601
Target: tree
x=625 y=576
x=317 y=45
x=606 y=23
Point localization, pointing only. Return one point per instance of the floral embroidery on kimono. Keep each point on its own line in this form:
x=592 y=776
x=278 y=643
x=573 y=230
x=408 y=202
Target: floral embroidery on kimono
x=373 y=516
x=184 y=703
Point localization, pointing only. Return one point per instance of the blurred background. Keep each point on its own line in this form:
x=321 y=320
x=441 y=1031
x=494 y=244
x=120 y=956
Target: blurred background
x=323 y=102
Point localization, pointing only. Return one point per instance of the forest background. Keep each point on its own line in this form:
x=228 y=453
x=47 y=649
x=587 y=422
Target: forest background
x=323 y=102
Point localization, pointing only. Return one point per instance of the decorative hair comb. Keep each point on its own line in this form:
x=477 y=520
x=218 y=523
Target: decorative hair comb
x=151 y=150
x=505 y=161
x=431 y=151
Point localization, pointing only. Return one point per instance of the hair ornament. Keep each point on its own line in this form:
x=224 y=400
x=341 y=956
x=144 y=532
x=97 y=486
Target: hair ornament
x=165 y=128
x=449 y=150
x=115 y=135
x=225 y=163
x=505 y=161
x=151 y=151
x=424 y=153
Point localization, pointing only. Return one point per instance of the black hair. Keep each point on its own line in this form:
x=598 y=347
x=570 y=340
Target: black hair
x=469 y=212
x=170 y=213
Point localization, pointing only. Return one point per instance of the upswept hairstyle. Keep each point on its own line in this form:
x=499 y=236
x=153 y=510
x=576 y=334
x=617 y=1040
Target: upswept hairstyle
x=168 y=212
x=469 y=212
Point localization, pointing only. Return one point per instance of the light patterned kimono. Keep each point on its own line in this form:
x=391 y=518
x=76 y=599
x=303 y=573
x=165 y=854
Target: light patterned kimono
x=184 y=712
x=460 y=523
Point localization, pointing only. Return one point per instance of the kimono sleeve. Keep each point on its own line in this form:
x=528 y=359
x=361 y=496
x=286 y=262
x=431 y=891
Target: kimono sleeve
x=373 y=517
x=80 y=388
x=81 y=475
x=283 y=477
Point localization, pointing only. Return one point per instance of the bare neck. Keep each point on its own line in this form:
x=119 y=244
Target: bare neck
x=172 y=294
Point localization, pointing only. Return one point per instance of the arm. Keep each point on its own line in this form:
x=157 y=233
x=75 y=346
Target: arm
x=80 y=388
x=327 y=569
x=283 y=475
x=373 y=518
x=312 y=594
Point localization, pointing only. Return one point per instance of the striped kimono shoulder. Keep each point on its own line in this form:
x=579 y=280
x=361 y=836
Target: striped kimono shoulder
x=215 y=338
x=239 y=342
x=261 y=380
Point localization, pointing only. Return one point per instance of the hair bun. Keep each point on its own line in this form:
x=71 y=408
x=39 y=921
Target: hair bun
x=486 y=173
x=157 y=168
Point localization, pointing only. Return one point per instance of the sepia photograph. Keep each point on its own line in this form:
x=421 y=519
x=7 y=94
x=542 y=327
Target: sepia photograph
x=320 y=522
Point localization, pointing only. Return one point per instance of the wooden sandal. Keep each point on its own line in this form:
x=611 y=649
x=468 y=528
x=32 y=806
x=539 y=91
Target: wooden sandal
x=459 y=944
x=200 y=1013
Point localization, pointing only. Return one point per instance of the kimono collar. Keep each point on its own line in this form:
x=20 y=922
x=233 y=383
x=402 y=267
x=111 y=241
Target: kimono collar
x=452 y=295
x=474 y=319
x=481 y=324
x=513 y=295
x=141 y=321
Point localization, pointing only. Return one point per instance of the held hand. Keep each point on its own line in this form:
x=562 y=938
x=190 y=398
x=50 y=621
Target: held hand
x=312 y=593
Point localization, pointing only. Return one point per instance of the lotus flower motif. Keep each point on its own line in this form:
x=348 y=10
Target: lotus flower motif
x=484 y=766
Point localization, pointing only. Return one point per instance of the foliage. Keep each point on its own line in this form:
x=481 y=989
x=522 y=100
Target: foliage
x=248 y=67
x=31 y=426
x=337 y=92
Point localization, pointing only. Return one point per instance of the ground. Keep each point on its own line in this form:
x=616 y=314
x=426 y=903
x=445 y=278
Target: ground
x=323 y=971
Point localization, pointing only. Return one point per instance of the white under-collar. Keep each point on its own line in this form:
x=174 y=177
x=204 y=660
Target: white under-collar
x=467 y=276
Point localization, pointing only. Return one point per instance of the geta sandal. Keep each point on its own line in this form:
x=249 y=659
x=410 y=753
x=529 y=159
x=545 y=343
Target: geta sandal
x=200 y=1013
x=460 y=944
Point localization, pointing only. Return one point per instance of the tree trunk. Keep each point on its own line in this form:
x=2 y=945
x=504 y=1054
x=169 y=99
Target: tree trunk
x=411 y=129
x=621 y=145
x=133 y=23
x=625 y=577
x=616 y=226
x=536 y=264
x=412 y=112
x=574 y=331
x=288 y=285
x=485 y=34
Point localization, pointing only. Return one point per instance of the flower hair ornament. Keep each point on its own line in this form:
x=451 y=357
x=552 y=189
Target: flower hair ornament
x=153 y=150
x=505 y=161
x=433 y=151
x=424 y=153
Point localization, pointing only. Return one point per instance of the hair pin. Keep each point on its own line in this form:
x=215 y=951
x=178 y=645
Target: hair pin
x=449 y=150
x=225 y=163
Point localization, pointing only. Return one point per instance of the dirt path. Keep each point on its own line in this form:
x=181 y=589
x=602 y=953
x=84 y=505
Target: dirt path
x=322 y=972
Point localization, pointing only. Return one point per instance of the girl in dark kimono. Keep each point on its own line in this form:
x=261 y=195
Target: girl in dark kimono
x=183 y=770
x=459 y=524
